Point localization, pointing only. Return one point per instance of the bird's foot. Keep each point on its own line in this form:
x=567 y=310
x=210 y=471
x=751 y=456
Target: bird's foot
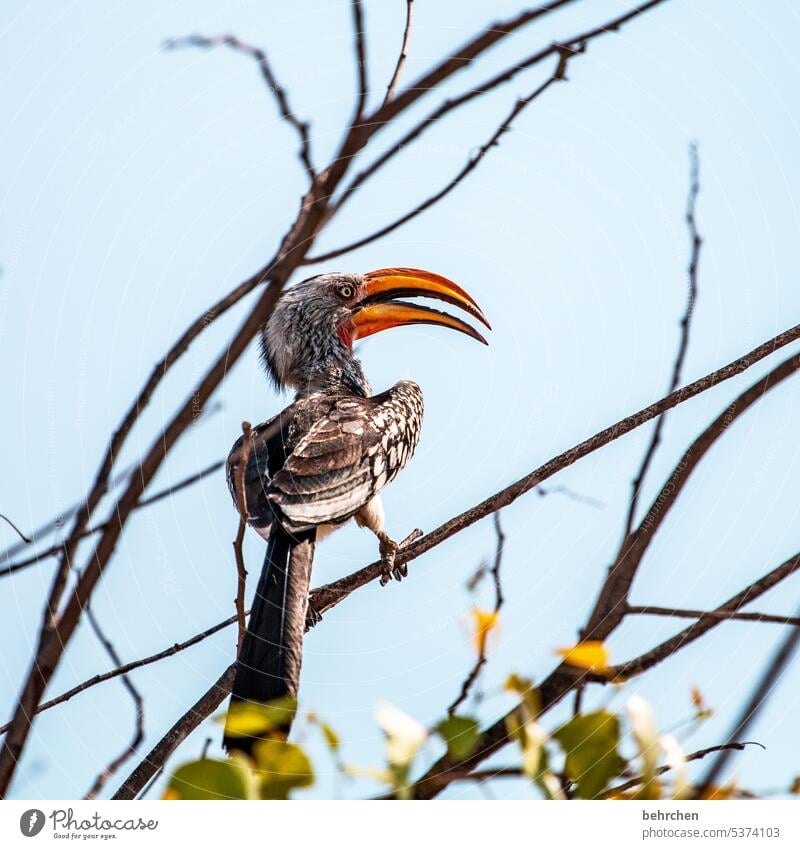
x=388 y=549
x=313 y=616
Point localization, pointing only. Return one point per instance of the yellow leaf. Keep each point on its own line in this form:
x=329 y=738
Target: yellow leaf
x=716 y=794
x=591 y=655
x=170 y=794
x=485 y=622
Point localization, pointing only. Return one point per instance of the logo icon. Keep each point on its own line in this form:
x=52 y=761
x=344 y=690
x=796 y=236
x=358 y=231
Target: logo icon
x=31 y=822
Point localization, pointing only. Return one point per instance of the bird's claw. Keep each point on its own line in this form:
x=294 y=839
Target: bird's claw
x=388 y=549
x=313 y=616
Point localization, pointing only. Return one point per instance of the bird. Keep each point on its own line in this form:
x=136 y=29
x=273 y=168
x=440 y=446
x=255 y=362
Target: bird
x=325 y=458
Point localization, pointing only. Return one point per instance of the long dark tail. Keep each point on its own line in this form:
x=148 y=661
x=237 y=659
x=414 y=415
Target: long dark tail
x=269 y=661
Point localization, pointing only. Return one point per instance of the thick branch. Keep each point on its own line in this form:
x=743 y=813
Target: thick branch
x=611 y=603
x=157 y=757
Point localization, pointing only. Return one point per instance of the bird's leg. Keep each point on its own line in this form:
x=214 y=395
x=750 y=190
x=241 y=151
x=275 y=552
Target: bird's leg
x=388 y=549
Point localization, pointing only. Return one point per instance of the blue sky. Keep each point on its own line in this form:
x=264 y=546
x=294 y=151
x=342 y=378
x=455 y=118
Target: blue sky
x=141 y=184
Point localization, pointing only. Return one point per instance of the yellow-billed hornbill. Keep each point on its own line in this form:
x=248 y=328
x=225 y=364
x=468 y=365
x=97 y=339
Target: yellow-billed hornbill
x=326 y=457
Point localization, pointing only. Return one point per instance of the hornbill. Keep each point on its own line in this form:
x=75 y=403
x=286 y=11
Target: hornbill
x=325 y=458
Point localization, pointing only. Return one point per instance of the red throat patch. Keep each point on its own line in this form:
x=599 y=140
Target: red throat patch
x=345 y=331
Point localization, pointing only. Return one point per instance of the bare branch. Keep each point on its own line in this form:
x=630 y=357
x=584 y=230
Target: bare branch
x=564 y=679
x=471 y=164
x=241 y=497
x=144 y=502
x=157 y=757
x=683 y=346
x=329 y=595
x=12 y=525
x=706 y=623
x=281 y=98
x=472 y=677
x=694 y=756
x=359 y=31
x=401 y=59
x=611 y=603
x=650 y=610
x=128 y=667
x=59 y=520
x=579 y=42
x=138 y=704
x=762 y=691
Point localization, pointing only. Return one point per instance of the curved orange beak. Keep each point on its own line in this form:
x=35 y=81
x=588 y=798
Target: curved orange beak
x=379 y=309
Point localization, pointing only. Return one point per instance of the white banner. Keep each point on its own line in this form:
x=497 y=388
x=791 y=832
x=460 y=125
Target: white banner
x=385 y=825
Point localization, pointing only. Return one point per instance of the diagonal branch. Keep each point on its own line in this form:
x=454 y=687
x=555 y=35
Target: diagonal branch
x=578 y=42
x=90 y=531
x=138 y=704
x=611 y=603
x=471 y=164
x=129 y=667
x=562 y=680
x=22 y=536
x=329 y=595
x=401 y=59
x=157 y=756
x=302 y=128
x=761 y=693
x=683 y=345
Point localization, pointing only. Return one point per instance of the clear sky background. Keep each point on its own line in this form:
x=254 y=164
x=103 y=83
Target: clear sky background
x=140 y=184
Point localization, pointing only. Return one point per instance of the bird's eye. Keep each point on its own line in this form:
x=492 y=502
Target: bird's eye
x=345 y=291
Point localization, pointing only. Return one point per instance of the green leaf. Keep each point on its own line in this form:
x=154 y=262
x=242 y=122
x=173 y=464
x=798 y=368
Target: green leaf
x=250 y=719
x=282 y=767
x=590 y=743
x=461 y=734
x=213 y=779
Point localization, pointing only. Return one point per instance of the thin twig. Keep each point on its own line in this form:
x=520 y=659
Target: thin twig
x=329 y=595
x=59 y=520
x=279 y=92
x=461 y=59
x=19 y=532
x=686 y=322
x=128 y=667
x=94 y=529
x=650 y=610
x=609 y=609
x=157 y=756
x=762 y=691
x=473 y=674
x=401 y=59
x=563 y=680
x=360 y=46
x=694 y=756
x=138 y=704
x=471 y=164
x=241 y=498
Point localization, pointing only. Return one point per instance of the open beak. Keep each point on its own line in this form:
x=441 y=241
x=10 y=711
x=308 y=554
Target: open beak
x=380 y=308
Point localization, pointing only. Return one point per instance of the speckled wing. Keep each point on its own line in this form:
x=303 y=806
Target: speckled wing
x=347 y=456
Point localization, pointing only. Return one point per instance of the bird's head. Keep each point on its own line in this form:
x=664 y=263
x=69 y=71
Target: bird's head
x=307 y=343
